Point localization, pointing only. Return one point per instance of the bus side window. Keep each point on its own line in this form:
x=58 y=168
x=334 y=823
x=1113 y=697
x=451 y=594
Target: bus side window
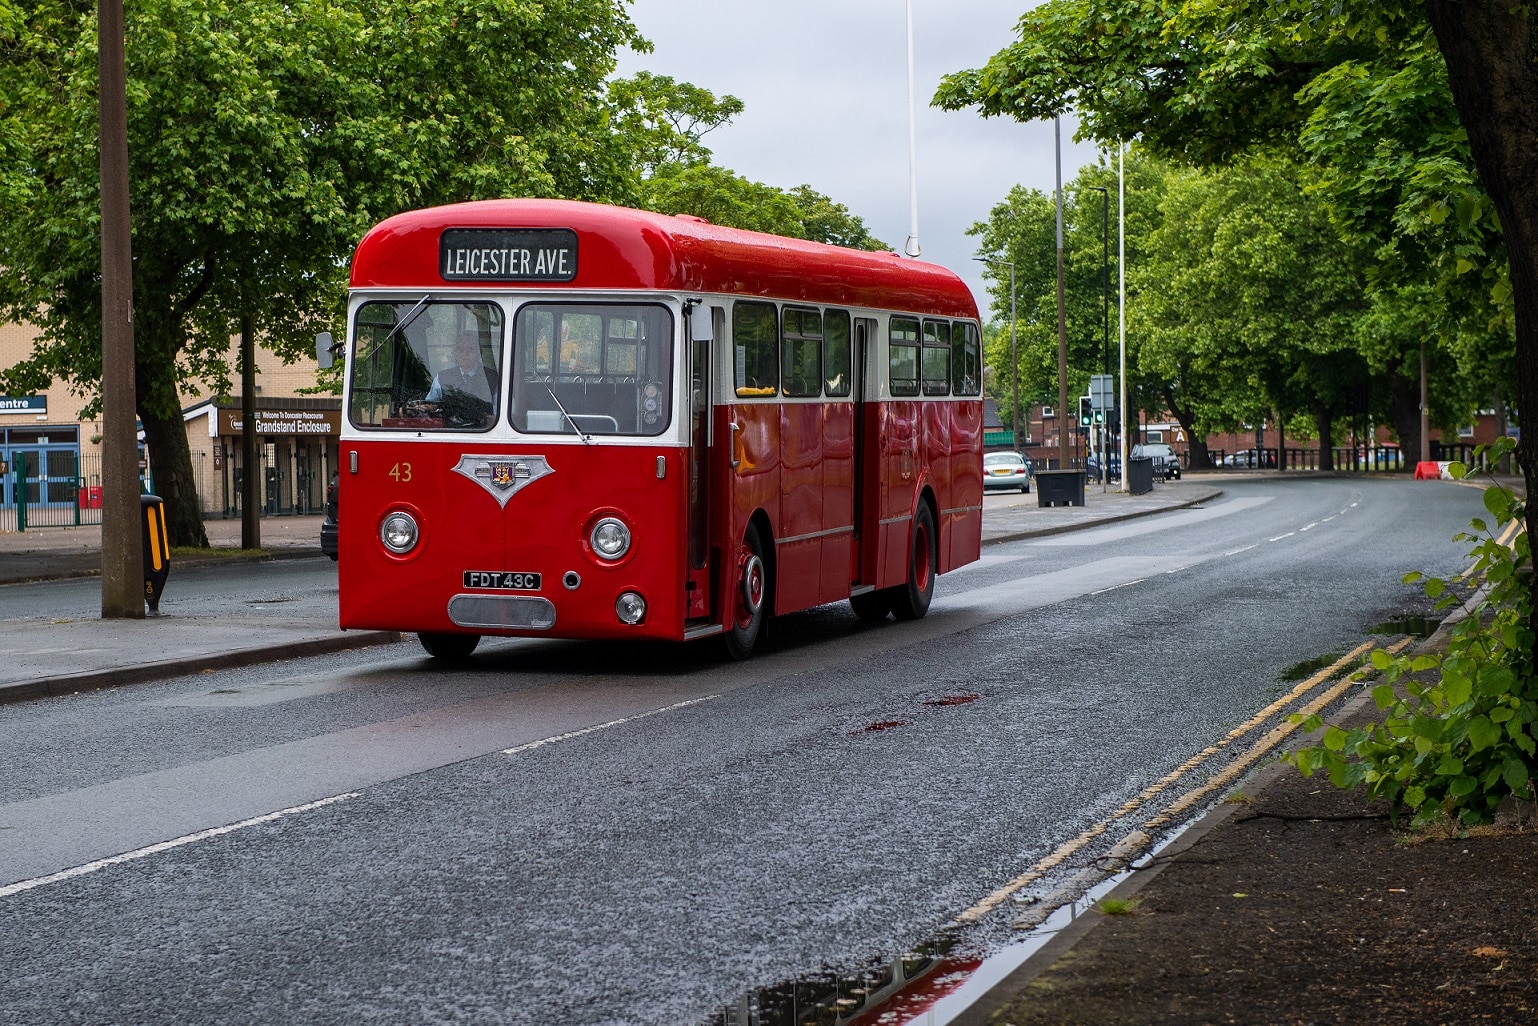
x=937 y=357
x=620 y=359
x=837 y=369
x=755 y=349
x=903 y=356
x=966 y=359
x=802 y=352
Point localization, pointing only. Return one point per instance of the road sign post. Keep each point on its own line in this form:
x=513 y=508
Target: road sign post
x=1102 y=399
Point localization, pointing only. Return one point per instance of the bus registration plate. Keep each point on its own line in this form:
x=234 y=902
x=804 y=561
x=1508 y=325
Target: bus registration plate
x=501 y=580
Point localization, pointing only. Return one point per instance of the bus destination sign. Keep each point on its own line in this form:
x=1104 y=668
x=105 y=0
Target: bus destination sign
x=508 y=254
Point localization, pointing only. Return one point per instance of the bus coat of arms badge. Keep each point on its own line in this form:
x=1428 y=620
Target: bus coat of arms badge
x=502 y=476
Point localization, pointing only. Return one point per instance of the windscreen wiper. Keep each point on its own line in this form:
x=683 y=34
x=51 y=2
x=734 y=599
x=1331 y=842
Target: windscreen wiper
x=586 y=438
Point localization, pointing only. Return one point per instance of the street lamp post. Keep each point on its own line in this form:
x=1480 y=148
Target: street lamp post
x=912 y=247
x=1014 y=351
x=1063 y=459
x=1105 y=292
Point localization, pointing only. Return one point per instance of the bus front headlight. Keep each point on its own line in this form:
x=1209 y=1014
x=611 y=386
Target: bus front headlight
x=399 y=533
x=610 y=539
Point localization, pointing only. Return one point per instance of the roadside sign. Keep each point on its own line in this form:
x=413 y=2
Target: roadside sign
x=1102 y=391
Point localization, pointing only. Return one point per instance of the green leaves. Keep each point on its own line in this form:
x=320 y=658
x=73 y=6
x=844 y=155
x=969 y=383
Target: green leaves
x=1457 y=736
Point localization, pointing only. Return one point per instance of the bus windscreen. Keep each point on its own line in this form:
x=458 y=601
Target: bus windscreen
x=597 y=368
x=426 y=366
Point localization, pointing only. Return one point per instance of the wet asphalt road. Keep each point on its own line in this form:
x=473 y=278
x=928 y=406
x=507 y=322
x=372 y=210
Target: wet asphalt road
x=834 y=801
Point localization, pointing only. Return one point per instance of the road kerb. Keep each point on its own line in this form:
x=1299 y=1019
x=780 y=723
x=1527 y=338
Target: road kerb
x=96 y=680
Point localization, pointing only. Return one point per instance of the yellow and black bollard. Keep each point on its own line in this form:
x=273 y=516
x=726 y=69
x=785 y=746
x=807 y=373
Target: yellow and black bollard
x=157 y=550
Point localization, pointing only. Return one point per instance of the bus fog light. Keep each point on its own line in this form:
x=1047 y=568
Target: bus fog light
x=399 y=533
x=631 y=608
x=610 y=538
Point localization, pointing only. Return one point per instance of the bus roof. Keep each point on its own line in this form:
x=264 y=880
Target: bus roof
x=620 y=248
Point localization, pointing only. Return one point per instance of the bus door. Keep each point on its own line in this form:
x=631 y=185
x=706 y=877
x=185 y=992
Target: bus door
x=703 y=326
x=865 y=465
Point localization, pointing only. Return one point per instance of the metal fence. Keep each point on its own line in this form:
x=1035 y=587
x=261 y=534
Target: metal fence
x=52 y=488
x=63 y=488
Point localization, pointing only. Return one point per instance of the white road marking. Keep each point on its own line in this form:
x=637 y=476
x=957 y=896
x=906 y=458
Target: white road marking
x=1279 y=537
x=1148 y=525
x=1235 y=552
x=1309 y=527
x=604 y=726
x=1129 y=584
x=177 y=842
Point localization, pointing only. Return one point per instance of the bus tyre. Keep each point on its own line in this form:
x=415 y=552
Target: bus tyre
x=871 y=606
x=451 y=648
x=911 y=601
x=749 y=597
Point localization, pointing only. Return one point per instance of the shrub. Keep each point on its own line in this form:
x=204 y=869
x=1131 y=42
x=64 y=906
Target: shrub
x=1452 y=749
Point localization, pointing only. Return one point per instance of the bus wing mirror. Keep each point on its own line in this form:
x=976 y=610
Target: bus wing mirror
x=325 y=350
x=700 y=325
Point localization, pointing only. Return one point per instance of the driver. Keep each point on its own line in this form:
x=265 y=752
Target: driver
x=468 y=388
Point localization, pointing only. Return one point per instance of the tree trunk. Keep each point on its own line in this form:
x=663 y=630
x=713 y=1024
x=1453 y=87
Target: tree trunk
x=1491 y=50
x=1502 y=420
x=1404 y=412
x=1325 y=429
x=1281 y=440
x=171 y=463
x=1198 y=458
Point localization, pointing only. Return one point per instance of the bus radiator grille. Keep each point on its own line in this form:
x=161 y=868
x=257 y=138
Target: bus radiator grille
x=520 y=612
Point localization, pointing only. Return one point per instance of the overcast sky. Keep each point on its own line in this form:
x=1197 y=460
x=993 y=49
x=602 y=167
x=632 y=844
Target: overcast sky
x=826 y=94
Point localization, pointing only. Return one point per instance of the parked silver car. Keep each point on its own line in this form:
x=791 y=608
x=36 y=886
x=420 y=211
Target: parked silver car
x=1003 y=471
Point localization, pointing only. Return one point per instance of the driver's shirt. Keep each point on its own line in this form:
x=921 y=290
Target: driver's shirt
x=455 y=380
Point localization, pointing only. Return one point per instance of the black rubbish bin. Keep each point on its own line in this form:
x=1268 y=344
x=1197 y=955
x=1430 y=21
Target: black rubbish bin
x=1059 y=488
x=1140 y=474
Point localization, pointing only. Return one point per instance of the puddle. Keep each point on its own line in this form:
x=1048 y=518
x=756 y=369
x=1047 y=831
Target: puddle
x=1415 y=626
x=929 y=986
x=886 y=993
x=1309 y=667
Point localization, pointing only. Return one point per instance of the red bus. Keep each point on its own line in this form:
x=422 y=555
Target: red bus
x=572 y=420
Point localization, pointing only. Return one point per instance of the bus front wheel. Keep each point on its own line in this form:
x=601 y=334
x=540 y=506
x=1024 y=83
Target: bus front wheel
x=871 y=606
x=451 y=648
x=911 y=601
x=748 y=597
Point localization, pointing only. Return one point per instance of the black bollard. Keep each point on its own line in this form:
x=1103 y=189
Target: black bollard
x=157 y=550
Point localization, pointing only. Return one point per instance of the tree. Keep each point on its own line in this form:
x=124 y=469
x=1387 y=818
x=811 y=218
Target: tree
x=1209 y=79
x=264 y=137
x=663 y=120
x=723 y=197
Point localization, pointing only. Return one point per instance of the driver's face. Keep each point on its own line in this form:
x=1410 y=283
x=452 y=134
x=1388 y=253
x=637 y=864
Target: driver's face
x=467 y=353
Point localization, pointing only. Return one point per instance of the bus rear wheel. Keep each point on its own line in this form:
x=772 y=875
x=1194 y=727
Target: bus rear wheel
x=451 y=648
x=911 y=601
x=748 y=597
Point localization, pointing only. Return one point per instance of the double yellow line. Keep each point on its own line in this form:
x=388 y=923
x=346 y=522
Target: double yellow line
x=1138 y=838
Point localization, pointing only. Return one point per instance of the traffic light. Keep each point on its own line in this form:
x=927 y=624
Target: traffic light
x=1086 y=413
x=1099 y=416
